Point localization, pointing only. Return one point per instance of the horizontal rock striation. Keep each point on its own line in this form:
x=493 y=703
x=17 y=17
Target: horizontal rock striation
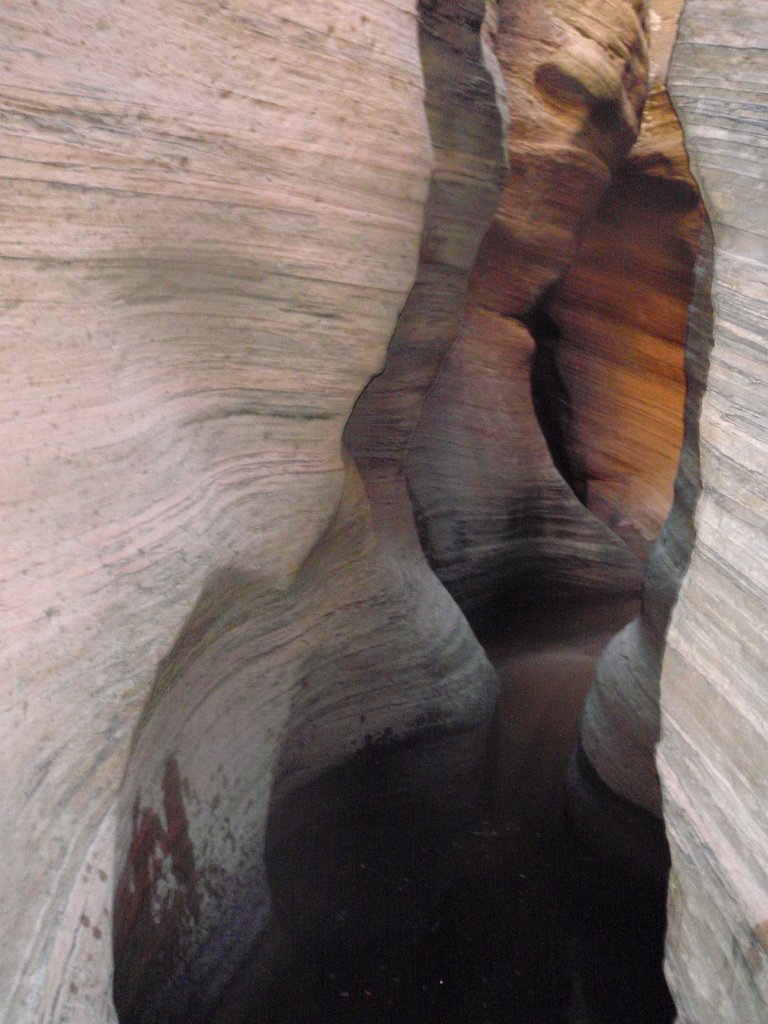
x=614 y=791
x=384 y=696
x=207 y=238
x=617 y=325
x=628 y=437
x=266 y=296
x=713 y=756
x=495 y=517
x=576 y=75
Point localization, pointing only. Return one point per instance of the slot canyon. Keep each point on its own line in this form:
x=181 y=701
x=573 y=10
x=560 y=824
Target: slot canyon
x=384 y=408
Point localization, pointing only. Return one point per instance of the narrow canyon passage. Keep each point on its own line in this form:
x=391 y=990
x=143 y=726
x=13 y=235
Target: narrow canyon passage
x=410 y=859
x=384 y=535
x=534 y=929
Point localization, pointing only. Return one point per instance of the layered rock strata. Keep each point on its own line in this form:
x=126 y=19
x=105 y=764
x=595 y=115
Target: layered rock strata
x=495 y=516
x=617 y=324
x=614 y=792
x=699 y=650
x=713 y=756
x=204 y=256
x=379 y=755
x=618 y=433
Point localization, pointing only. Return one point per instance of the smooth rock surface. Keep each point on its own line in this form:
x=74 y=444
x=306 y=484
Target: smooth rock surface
x=497 y=520
x=228 y=667
x=628 y=435
x=620 y=723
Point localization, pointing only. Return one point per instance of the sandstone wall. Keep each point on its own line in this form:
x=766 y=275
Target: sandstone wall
x=697 y=654
x=228 y=667
x=713 y=755
x=204 y=253
x=495 y=517
x=616 y=330
x=621 y=354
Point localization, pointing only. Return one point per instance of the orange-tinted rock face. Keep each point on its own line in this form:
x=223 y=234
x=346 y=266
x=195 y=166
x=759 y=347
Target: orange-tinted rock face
x=593 y=248
x=622 y=352
x=616 y=334
x=490 y=502
x=576 y=76
x=495 y=516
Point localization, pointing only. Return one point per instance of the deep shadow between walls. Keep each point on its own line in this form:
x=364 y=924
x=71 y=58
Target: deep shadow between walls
x=534 y=929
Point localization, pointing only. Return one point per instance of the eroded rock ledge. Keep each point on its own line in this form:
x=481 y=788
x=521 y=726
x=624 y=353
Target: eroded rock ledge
x=495 y=517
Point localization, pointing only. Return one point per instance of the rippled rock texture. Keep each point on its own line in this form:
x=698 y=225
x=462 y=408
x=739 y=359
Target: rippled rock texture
x=615 y=330
x=698 y=650
x=618 y=353
x=713 y=756
x=209 y=233
x=266 y=296
x=495 y=516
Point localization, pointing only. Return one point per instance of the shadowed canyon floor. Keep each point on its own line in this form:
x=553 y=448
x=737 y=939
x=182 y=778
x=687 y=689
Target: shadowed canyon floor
x=534 y=930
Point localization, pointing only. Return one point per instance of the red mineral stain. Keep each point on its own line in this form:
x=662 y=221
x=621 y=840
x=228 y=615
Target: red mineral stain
x=146 y=945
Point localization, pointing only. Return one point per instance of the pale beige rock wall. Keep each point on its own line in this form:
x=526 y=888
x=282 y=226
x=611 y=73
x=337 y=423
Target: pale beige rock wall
x=207 y=237
x=713 y=756
x=628 y=415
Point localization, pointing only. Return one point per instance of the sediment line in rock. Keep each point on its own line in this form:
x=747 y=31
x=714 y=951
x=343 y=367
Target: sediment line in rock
x=620 y=723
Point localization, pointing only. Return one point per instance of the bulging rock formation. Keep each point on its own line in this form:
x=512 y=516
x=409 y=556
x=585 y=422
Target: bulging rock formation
x=617 y=324
x=688 y=669
x=618 y=351
x=576 y=77
x=499 y=524
x=614 y=790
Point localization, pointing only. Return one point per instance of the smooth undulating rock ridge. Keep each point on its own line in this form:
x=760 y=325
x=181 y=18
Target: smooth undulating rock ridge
x=384 y=752
x=495 y=516
x=576 y=75
x=208 y=233
x=467 y=115
x=713 y=755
